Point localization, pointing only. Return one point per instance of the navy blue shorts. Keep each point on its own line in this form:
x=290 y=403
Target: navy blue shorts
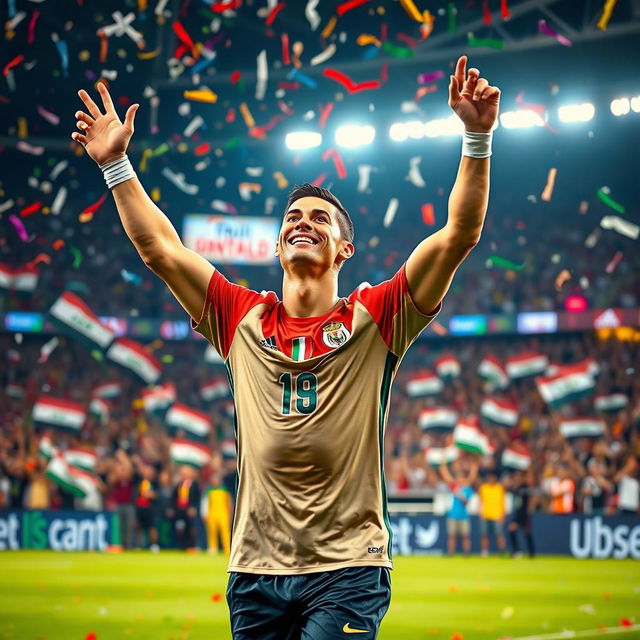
x=328 y=605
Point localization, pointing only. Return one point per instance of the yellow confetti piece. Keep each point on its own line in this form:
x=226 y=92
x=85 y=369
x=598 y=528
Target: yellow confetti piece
x=366 y=38
x=147 y=55
x=155 y=194
x=551 y=180
x=331 y=25
x=23 y=129
x=200 y=95
x=146 y=154
x=412 y=11
x=84 y=55
x=250 y=186
x=283 y=183
x=606 y=14
x=246 y=115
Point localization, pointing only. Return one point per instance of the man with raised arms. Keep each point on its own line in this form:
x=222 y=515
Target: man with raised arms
x=311 y=377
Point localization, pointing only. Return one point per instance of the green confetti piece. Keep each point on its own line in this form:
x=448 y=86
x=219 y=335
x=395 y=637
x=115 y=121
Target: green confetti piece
x=97 y=355
x=452 y=21
x=167 y=358
x=398 y=52
x=232 y=144
x=37 y=172
x=242 y=85
x=158 y=151
x=77 y=256
x=497 y=261
x=489 y=43
x=616 y=206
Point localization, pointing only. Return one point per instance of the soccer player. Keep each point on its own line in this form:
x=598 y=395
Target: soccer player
x=310 y=376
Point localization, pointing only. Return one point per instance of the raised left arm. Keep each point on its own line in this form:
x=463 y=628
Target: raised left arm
x=432 y=264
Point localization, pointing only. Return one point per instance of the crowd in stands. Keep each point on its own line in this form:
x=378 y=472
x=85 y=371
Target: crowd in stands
x=134 y=474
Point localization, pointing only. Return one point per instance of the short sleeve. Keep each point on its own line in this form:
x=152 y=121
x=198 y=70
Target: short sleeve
x=392 y=308
x=224 y=307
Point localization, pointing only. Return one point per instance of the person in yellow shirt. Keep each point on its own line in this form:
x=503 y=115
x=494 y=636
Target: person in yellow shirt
x=216 y=513
x=492 y=512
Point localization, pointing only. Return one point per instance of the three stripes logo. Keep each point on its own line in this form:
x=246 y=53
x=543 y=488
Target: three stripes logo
x=269 y=343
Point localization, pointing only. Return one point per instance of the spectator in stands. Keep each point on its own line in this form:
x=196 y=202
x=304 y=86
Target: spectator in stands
x=492 y=512
x=121 y=484
x=184 y=510
x=562 y=491
x=524 y=504
x=38 y=492
x=458 y=522
x=145 y=494
x=216 y=514
x=596 y=488
x=163 y=505
x=628 y=487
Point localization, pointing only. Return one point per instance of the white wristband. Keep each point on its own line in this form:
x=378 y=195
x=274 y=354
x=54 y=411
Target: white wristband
x=117 y=171
x=476 y=145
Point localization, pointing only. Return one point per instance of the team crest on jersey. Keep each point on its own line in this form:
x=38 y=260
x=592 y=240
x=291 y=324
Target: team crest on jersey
x=335 y=334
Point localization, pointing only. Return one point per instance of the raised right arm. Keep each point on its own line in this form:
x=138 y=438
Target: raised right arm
x=105 y=139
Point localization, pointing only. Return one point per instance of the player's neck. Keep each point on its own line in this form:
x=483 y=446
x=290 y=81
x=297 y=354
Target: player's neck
x=307 y=297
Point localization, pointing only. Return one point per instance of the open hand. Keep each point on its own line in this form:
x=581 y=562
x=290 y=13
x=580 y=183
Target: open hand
x=473 y=99
x=103 y=136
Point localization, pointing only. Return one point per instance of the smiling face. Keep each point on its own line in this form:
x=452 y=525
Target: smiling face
x=311 y=234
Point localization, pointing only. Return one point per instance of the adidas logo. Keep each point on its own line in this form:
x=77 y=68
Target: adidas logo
x=607 y=319
x=269 y=343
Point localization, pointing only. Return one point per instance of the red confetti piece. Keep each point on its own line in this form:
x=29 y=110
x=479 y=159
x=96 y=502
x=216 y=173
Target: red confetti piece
x=32 y=208
x=348 y=6
x=235 y=77
x=384 y=73
x=274 y=12
x=319 y=180
x=216 y=597
x=408 y=40
x=285 y=108
x=91 y=636
x=58 y=244
x=225 y=5
x=32 y=25
x=284 y=40
x=504 y=10
x=625 y=622
x=87 y=214
x=486 y=12
x=337 y=161
x=202 y=149
x=41 y=257
x=289 y=86
x=615 y=261
x=182 y=34
x=231 y=115
x=12 y=63
x=349 y=84
x=324 y=115
x=384 y=32
x=428 y=214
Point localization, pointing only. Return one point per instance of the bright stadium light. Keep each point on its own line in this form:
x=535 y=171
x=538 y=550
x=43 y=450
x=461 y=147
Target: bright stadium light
x=635 y=104
x=398 y=132
x=576 y=112
x=620 y=106
x=297 y=140
x=451 y=126
x=521 y=119
x=355 y=135
x=415 y=129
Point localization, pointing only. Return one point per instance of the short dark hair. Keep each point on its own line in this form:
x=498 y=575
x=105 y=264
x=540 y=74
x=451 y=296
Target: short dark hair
x=308 y=190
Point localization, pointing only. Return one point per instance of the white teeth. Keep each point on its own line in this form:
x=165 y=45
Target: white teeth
x=302 y=239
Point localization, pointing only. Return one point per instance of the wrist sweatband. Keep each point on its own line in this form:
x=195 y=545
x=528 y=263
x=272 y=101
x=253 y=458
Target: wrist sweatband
x=476 y=145
x=117 y=171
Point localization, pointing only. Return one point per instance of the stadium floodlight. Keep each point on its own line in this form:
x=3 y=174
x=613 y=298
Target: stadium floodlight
x=620 y=106
x=521 y=119
x=451 y=126
x=297 y=140
x=398 y=132
x=355 y=135
x=576 y=112
x=635 y=104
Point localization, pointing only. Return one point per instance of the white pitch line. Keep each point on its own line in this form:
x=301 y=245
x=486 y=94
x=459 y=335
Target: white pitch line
x=579 y=634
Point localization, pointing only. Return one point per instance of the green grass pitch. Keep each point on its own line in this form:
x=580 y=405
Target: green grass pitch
x=46 y=595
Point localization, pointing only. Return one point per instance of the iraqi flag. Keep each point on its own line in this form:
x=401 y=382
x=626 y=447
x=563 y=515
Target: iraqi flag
x=81 y=459
x=46 y=448
x=23 y=279
x=75 y=318
x=214 y=390
x=491 y=370
x=516 y=457
x=99 y=409
x=572 y=428
x=15 y=391
x=448 y=367
x=228 y=449
x=501 y=412
x=438 y=419
x=212 y=357
x=194 y=424
x=569 y=385
x=76 y=481
x=588 y=366
x=526 y=364
x=611 y=402
x=157 y=399
x=134 y=358
x=55 y=413
x=424 y=384
x=189 y=453
x=435 y=456
x=107 y=390
x=469 y=437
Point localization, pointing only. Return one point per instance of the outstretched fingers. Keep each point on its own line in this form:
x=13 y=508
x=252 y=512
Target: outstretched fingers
x=481 y=85
x=454 y=92
x=78 y=137
x=130 y=116
x=89 y=103
x=461 y=71
x=106 y=99
x=81 y=115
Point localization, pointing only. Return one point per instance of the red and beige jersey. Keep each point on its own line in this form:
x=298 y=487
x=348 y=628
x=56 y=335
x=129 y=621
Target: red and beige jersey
x=311 y=402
